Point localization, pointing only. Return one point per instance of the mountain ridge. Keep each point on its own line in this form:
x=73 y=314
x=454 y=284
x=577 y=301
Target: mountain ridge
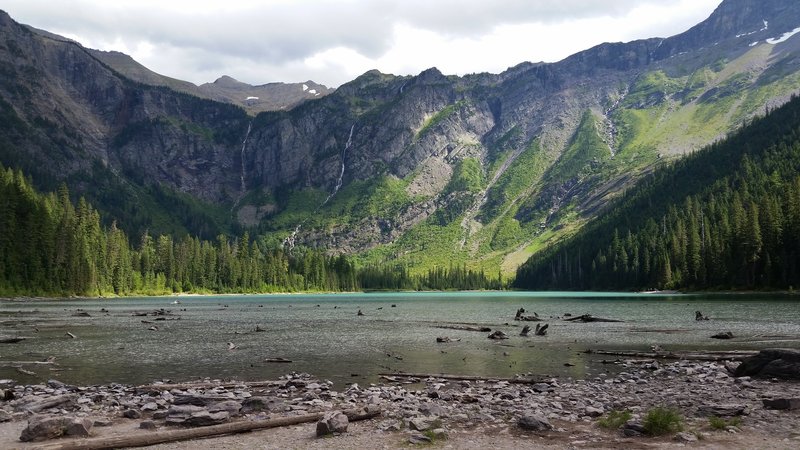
x=482 y=169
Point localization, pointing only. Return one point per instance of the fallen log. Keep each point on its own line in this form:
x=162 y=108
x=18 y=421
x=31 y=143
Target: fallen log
x=207 y=385
x=278 y=360
x=160 y=437
x=590 y=318
x=461 y=377
x=734 y=355
x=464 y=328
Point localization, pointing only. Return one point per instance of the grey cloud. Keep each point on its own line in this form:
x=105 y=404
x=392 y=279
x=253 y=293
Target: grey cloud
x=293 y=31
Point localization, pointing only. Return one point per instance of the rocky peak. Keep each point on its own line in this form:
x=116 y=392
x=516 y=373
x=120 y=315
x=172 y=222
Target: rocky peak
x=228 y=82
x=744 y=20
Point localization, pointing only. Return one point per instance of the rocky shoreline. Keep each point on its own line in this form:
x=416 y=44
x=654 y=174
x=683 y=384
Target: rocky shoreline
x=560 y=411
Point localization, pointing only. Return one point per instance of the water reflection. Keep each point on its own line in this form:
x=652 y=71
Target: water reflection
x=323 y=335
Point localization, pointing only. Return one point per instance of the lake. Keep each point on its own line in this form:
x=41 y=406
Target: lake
x=324 y=336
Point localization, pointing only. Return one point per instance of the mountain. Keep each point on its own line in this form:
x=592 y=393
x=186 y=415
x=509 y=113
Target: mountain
x=482 y=170
x=725 y=217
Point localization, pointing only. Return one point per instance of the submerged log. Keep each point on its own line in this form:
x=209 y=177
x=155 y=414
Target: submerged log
x=725 y=335
x=161 y=437
x=278 y=360
x=464 y=328
x=699 y=316
x=590 y=318
x=525 y=330
x=497 y=334
x=541 y=330
x=11 y=339
x=521 y=316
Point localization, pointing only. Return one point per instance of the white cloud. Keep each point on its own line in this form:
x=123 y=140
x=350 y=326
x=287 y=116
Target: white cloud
x=331 y=42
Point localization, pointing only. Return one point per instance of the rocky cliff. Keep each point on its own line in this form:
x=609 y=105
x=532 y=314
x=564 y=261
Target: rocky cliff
x=482 y=169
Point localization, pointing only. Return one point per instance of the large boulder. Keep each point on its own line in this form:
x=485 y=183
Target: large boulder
x=771 y=363
x=41 y=428
x=332 y=422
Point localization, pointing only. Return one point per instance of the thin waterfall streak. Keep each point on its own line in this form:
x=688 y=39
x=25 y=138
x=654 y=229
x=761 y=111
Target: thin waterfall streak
x=340 y=180
x=244 y=145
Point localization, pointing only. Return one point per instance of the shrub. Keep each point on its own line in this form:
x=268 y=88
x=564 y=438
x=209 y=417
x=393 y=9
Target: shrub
x=660 y=421
x=718 y=423
x=614 y=419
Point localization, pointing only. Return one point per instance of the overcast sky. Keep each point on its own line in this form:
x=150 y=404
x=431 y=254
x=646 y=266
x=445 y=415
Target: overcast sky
x=333 y=41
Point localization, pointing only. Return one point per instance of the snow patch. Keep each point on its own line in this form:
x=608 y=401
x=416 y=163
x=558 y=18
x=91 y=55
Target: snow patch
x=766 y=27
x=784 y=37
x=754 y=44
x=251 y=98
x=305 y=87
x=312 y=91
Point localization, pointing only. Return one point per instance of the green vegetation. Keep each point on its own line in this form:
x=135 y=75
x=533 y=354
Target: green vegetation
x=438 y=118
x=660 y=421
x=467 y=177
x=522 y=174
x=49 y=246
x=725 y=217
x=614 y=419
x=718 y=423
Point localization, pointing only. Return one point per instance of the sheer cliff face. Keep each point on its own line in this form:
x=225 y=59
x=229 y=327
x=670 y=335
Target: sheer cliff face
x=552 y=142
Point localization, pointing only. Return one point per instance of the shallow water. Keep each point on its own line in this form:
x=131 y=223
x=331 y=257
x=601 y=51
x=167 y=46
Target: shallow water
x=322 y=334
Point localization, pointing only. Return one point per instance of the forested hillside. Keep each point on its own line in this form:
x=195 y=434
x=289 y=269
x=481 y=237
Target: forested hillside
x=725 y=217
x=49 y=246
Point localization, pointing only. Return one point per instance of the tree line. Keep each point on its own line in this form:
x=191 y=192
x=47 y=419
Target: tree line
x=726 y=217
x=52 y=246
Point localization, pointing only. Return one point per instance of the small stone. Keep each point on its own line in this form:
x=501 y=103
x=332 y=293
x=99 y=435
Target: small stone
x=150 y=406
x=102 y=422
x=5 y=416
x=685 y=437
x=417 y=439
x=419 y=424
x=148 y=425
x=534 y=422
x=131 y=414
x=593 y=412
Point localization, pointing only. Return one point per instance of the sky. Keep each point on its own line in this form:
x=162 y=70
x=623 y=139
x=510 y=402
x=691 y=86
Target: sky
x=332 y=42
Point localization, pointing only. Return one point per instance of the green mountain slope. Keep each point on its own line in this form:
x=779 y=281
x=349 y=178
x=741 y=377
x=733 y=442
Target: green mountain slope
x=725 y=217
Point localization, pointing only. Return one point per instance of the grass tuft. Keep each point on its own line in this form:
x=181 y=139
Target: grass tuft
x=660 y=421
x=614 y=419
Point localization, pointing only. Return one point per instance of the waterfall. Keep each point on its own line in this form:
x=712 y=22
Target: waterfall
x=243 y=188
x=341 y=171
x=611 y=128
x=290 y=241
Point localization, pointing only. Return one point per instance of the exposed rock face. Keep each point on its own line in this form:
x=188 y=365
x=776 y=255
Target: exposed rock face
x=69 y=113
x=777 y=363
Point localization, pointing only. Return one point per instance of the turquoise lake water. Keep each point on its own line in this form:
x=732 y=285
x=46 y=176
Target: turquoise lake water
x=322 y=334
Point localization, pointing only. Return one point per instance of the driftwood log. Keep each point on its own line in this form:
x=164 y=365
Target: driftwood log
x=590 y=318
x=11 y=339
x=460 y=377
x=159 y=437
x=206 y=385
x=541 y=330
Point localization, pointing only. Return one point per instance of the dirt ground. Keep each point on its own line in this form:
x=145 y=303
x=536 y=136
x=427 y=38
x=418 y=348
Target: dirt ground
x=365 y=435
